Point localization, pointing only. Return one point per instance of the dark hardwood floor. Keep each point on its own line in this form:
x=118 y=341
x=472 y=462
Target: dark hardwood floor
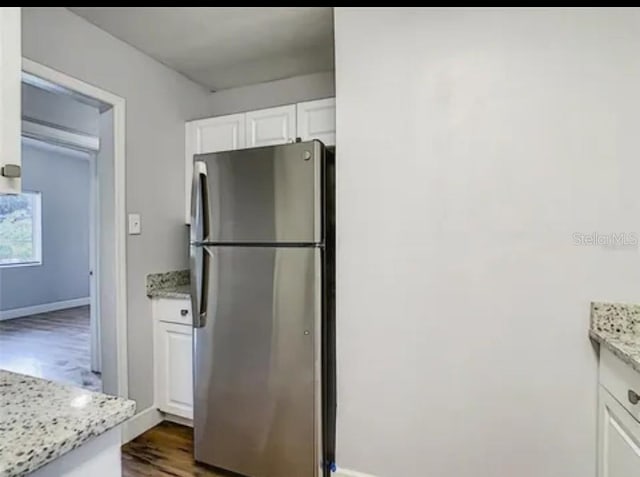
x=166 y=450
x=53 y=345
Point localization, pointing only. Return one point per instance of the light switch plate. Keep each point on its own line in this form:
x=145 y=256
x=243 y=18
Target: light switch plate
x=134 y=224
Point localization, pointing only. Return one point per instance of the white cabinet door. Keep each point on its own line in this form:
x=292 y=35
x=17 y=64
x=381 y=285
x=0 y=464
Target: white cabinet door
x=271 y=126
x=10 y=120
x=618 y=439
x=317 y=120
x=223 y=133
x=174 y=369
x=216 y=134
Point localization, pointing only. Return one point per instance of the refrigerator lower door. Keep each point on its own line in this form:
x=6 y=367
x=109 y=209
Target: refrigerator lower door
x=257 y=363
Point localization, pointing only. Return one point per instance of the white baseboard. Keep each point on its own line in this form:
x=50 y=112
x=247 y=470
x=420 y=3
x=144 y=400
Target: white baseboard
x=178 y=420
x=141 y=423
x=44 y=308
x=350 y=473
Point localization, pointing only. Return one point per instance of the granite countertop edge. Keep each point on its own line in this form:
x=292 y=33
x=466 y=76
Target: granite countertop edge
x=628 y=353
x=616 y=326
x=174 y=284
x=43 y=420
x=170 y=292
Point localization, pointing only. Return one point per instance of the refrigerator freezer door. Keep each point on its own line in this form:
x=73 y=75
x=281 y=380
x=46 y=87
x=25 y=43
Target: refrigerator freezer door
x=265 y=195
x=257 y=363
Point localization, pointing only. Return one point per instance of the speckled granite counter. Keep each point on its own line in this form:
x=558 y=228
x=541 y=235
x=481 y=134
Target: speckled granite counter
x=41 y=420
x=180 y=291
x=168 y=285
x=617 y=327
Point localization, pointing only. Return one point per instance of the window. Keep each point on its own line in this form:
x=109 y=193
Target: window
x=20 y=229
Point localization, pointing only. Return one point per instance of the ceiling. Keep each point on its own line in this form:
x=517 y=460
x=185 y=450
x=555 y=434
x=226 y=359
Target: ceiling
x=225 y=47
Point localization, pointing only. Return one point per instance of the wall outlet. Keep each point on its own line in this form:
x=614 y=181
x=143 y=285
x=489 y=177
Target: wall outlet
x=134 y=224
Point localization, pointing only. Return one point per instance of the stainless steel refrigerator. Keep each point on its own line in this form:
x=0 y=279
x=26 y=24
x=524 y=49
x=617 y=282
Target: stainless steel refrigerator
x=262 y=274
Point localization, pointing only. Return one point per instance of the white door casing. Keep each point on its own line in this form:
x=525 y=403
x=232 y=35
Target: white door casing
x=94 y=273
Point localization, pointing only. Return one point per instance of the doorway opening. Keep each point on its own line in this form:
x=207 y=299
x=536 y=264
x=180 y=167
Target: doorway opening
x=46 y=302
x=62 y=270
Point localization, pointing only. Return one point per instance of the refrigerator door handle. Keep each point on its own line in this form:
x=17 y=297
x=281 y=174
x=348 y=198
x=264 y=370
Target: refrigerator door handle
x=201 y=319
x=195 y=290
x=200 y=190
x=199 y=291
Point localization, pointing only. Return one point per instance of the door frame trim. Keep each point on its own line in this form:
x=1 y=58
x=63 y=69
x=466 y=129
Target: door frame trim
x=119 y=164
x=94 y=265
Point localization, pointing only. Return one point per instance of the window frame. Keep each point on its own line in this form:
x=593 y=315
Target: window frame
x=36 y=232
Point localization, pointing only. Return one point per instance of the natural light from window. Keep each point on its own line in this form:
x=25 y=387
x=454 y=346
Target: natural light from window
x=20 y=229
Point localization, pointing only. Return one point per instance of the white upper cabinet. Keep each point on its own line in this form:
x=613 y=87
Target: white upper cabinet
x=10 y=120
x=223 y=133
x=217 y=134
x=267 y=127
x=317 y=120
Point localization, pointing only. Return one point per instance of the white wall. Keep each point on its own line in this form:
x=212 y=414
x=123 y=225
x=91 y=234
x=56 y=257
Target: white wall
x=64 y=272
x=272 y=93
x=473 y=143
x=158 y=101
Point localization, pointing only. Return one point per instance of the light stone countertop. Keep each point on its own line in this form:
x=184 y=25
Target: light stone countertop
x=41 y=420
x=178 y=291
x=617 y=327
x=168 y=285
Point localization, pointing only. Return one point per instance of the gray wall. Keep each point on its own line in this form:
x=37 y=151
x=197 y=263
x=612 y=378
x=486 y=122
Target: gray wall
x=158 y=102
x=59 y=109
x=273 y=93
x=63 y=274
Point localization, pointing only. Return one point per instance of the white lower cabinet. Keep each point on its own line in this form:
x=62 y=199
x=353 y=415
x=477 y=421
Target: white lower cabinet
x=173 y=359
x=618 y=439
x=618 y=429
x=98 y=457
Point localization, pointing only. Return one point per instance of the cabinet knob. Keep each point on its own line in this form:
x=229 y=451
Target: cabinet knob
x=184 y=312
x=634 y=398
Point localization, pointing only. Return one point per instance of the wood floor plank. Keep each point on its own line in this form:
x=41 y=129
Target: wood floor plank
x=164 y=451
x=54 y=345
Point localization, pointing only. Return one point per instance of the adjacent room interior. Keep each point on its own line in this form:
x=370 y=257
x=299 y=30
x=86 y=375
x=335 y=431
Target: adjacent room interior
x=48 y=314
